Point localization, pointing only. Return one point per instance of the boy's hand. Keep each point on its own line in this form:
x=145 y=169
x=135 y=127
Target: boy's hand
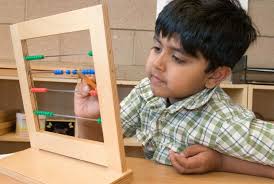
x=84 y=104
x=196 y=159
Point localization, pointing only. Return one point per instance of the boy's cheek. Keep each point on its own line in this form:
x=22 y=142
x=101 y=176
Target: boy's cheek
x=148 y=69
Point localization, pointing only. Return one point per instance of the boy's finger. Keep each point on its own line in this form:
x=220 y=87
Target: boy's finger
x=89 y=81
x=180 y=165
x=175 y=163
x=194 y=150
x=82 y=89
x=188 y=163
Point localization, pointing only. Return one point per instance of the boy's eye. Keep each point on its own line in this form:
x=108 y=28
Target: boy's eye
x=177 y=59
x=156 y=49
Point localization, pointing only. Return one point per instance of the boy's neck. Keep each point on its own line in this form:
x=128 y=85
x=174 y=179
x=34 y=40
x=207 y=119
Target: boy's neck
x=170 y=101
x=167 y=102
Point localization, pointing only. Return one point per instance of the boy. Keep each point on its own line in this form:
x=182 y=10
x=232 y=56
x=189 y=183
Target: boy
x=179 y=104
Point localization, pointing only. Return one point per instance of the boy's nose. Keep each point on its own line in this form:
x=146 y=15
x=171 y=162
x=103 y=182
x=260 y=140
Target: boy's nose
x=160 y=61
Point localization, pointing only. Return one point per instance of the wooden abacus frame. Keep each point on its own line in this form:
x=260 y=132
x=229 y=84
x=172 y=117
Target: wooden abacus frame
x=106 y=160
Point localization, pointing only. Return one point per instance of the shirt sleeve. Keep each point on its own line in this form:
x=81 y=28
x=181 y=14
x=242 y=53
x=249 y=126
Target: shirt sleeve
x=247 y=138
x=130 y=108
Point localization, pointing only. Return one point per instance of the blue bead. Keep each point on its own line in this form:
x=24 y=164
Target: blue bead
x=68 y=72
x=74 y=72
x=58 y=72
x=91 y=71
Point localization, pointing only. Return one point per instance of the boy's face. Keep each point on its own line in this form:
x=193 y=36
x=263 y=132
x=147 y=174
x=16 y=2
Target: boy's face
x=173 y=73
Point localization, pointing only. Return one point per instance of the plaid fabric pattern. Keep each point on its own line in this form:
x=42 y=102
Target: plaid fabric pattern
x=208 y=118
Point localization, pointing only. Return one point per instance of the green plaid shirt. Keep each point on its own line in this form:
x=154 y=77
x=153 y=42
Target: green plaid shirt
x=208 y=118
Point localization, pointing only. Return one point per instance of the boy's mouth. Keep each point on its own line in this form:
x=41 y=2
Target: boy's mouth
x=155 y=80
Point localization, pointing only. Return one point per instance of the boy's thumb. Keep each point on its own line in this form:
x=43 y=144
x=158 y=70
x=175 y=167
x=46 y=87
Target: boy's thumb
x=193 y=150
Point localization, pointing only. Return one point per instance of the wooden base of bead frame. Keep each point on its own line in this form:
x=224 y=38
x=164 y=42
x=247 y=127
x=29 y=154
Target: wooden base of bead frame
x=33 y=166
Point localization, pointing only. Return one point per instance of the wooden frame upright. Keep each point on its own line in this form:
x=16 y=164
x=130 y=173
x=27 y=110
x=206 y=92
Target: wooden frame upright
x=106 y=160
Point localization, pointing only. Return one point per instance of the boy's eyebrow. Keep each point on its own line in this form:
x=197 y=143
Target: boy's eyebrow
x=181 y=50
x=156 y=38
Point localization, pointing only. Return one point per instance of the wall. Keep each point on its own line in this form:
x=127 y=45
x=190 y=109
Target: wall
x=262 y=53
x=132 y=24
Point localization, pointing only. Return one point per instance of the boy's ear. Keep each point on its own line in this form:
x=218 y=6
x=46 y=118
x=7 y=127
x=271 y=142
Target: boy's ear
x=217 y=76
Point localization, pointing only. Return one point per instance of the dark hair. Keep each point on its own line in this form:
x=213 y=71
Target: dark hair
x=218 y=29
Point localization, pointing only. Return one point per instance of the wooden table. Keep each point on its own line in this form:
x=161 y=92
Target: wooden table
x=147 y=172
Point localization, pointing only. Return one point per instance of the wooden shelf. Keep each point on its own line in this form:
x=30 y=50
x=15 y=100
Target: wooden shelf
x=11 y=74
x=233 y=86
x=264 y=87
x=131 y=141
x=261 y=100
x=8 y=72
x=6 y=63
x=12 y=137
x=127 y=83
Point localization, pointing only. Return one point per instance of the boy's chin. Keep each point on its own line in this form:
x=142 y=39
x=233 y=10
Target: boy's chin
x=158 y=93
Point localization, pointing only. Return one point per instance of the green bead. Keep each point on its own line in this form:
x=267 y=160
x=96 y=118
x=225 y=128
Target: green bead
x=36 y=57
x=90 y=53
x=44 y=113
x=99 y=121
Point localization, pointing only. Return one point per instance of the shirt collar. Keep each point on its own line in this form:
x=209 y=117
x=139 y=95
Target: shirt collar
x=195 y=101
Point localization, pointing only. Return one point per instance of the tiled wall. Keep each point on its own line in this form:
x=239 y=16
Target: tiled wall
x=262 y=53
x=131 y=21
x=132 y=24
